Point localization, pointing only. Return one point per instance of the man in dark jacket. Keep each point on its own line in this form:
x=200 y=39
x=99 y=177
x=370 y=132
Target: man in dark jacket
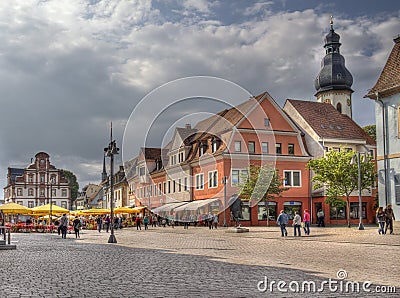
x=282 y=221
x=389 y=214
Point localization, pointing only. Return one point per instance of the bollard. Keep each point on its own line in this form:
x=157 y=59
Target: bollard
x=9 y=236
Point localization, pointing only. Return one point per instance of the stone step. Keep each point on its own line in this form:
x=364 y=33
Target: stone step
x=8 y=246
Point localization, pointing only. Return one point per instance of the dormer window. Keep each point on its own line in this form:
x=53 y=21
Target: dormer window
x=203 y=148
x=215 y=144
x=266 y=122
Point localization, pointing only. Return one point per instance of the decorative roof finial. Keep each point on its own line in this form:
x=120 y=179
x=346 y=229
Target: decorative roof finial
x=331 y=22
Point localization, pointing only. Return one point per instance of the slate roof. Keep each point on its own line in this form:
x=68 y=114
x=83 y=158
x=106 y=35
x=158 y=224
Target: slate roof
x=389 y=81
x=327 y=122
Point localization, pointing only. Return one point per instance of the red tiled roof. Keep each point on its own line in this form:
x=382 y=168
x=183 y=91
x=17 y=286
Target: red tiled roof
x=327 y=122
x=389 y=81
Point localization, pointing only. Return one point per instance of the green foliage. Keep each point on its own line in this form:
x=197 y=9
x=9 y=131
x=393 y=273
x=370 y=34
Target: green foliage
x=72 y=182
x=338 y=172
x=263 y=183
x=371 y=130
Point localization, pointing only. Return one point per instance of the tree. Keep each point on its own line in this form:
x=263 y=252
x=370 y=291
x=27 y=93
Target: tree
x=72 y=182
x=263 y=183
x=338 y=172
x=371 y=130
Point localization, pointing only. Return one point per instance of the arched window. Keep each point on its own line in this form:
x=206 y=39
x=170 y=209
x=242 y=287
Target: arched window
x=339 y=107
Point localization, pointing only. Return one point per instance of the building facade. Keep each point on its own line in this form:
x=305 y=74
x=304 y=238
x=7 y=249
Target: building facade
x=38 y=184
x=386 y=94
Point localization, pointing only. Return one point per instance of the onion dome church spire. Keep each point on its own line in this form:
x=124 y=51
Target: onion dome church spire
x=333 y=83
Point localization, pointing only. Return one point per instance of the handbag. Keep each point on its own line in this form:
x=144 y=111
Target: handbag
x=302 y=225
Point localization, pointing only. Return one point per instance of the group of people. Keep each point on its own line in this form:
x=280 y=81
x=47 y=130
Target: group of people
x=298 y=223
x=385 y=218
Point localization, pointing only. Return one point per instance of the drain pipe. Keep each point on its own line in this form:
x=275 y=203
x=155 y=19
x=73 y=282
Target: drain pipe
x=385 y=167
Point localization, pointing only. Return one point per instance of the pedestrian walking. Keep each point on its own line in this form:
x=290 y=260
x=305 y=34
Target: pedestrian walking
x=146 y=222
x=99 y=222
x=389 y=215
x=321 y=218
x=138 y=221
x=297 y=224
x=381 y=219
x=107 y=223
x=215 y=221
x=116 y=223
x=77 y=225
x=120 y=220
x=64 y=225
x=306 y=220
x=210 y=220
x=282 y=221
x=154 y=221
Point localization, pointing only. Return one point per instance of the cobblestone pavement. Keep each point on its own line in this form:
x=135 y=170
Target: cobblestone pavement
x=198 y=262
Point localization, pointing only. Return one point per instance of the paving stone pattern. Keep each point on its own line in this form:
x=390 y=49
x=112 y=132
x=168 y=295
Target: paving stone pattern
x=167 y=262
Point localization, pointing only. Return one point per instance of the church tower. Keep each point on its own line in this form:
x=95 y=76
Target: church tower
x=333 y=83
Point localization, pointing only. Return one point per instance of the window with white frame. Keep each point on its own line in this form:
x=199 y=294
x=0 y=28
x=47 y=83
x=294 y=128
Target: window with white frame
x=185 y=188
x=64 y=192
x=30 y=192
x=212 y=179
x=238 y=146
x=41 y=192
x=19 y=191
x=292 y=178
x=199 y=181
x=31 y=204
x=238 y=176
x=264 y=147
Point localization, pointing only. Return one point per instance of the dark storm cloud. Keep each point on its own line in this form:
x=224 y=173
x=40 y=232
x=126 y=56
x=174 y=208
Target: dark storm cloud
x=69 y=68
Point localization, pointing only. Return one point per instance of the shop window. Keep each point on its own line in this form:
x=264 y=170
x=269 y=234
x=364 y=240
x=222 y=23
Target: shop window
x=338 y=212
x=354 y=210
x=245 y=211
x=291 y=208
x=262 y=211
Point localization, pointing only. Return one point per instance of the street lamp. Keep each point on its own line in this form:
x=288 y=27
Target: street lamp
x=51 y=200
x=358 y=157
x=110 y=151
x=224 y=181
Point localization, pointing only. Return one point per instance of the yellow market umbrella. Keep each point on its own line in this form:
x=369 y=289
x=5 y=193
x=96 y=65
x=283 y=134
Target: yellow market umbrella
x=138 y=209
x=76 y=213
x=95 y=211
x=45 y=209
x=119 y=210
x=14 y=208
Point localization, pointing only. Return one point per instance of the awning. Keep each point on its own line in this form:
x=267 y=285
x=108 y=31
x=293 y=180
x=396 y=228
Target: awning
x=168 y=207
x=194 y=205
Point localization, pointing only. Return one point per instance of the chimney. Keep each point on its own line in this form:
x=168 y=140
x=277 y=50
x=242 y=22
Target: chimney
x=188 y=126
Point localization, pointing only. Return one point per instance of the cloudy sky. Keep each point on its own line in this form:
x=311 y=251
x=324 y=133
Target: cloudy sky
x=68 y=68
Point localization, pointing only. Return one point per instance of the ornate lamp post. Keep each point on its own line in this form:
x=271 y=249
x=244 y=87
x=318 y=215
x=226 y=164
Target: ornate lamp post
x=358 y=157
x=51 y=181
x=109 y=152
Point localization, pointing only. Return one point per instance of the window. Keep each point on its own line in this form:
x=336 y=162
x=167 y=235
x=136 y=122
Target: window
x=30 y=179
x=339 y=106
x=41 y=192
x=264 y=147
x=200 y=181
x=64 y=192
x=291 y=149
x=155 y=190
x=246 y=211
x=292 y=178
x=252 y=147
x=397 y=188
x=141 y=171
x=278 y=148
x=354 y=210
x=165 y=187
x=179 y=185
x=337 y=212
x=30 y=192
x=180 y=157
x=64 y=204
x=30 y=204
x=174 y=186
x=185 y=188
x=20 y=202
x=19 y=191
x=42 y=178
x=238 y=146
x=262 y=211
x=291 y=208
x=169 y=186
x=53 y=192
x=266 y=122
x=212 y=179
x=159 y=189
x=238 y=176
x=214 y=145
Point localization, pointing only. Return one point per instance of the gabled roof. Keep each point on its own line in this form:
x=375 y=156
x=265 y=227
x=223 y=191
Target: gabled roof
x=186 y=134
x=389 y=81
x=327 y=122
x=151 y=153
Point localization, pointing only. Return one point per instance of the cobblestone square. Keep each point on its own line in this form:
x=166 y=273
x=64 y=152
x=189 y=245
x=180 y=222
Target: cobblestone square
x=198 y=262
